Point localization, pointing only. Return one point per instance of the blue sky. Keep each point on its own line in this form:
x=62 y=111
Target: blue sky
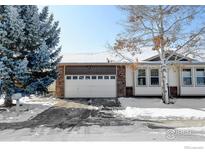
x=87 y=29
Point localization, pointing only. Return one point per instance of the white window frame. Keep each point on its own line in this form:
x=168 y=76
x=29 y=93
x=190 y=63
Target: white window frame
x=191 y=85
x=150 y=77
x=104 y=77
x=141 y=77
x=81 y=76
x=198 y=76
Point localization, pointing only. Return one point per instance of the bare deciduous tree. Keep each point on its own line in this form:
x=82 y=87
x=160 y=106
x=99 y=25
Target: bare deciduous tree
x=168 y=30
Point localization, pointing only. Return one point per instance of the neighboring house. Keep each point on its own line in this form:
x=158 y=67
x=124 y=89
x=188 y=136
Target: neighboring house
x=104 y=80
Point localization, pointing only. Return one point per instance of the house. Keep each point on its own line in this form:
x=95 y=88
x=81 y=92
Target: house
x=96 y=79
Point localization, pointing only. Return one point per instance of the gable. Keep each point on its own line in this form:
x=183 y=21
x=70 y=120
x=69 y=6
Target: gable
x=174 y=57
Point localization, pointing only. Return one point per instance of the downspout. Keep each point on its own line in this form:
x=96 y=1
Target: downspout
x=64 y=81
x=133 y=75
x=116 y=81
x=179 y=79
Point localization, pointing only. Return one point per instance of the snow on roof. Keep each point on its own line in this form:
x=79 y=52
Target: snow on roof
x=103 y=57
x=85 y=57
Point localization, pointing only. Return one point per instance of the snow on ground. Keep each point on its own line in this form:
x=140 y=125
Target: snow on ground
x=195 y=103
x=30 y=108
x=161 y=114
x=91 y=133
x=198 y=129
x=154 y=109
x=135 y=132
x=183 y=111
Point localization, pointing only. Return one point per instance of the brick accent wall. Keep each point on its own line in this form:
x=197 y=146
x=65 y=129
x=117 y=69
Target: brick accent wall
x=60 y=82
x=121 y=81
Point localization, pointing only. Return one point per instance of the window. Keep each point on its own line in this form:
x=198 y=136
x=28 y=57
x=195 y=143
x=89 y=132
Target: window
x=141 y=78
x=112 y=77
x=75 y=77
x=200 y=76
x=87 y=77
x=81 y=77
x=100 y=77
x=187 y=77
x=106 y=77
x=68 y=77
x=154 y=77
x=94 y=77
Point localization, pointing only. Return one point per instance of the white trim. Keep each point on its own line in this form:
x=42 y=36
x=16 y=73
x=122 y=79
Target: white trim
x=146 y=81
x=196 y=85
x=149 y=75
x=182 y=79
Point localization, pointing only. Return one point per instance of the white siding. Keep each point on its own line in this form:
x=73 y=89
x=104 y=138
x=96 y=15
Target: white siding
x=175 y=79
x=147 y=90
x=192 y=90
x=173 y=76
x=129 y=76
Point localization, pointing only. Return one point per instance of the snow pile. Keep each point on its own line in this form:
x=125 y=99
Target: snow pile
x=199 y=129
x=30 y=108
x=196 y=103
x=161 y=113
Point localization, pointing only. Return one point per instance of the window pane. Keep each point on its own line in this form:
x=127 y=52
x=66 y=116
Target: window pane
x=100 y=77
x=106 y=77
x=75 y=77
x=154 y=72
x=141 y=81
x=200 y=80
x=87 y=77
x=81 y=77
x=187 y=81
x=94 y=77
x=141 y=72
x=68 y=77
x=200 y=72
x=112 y=77
x=154 y=81
x=186 y=72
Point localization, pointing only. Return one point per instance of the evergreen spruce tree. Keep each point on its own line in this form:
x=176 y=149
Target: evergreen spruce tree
x=38 y=51
x=13 y=68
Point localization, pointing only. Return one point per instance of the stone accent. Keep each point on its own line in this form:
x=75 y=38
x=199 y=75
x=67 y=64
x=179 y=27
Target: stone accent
x=121 y=81
x=60 y=82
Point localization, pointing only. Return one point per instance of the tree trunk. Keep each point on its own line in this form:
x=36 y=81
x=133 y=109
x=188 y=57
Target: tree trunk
x=8 y=101
x=165 y=92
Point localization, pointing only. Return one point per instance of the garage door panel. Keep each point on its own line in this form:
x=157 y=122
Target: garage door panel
x=90 y=88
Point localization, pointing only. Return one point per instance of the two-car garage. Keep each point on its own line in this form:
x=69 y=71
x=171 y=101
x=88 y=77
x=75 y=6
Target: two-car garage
x=90 y=81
